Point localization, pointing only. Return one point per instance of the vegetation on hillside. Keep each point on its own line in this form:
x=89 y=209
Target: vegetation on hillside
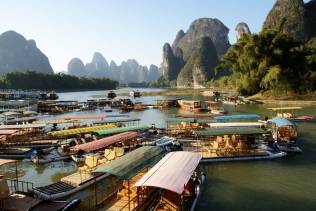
x=270 y=61
x=41 y=81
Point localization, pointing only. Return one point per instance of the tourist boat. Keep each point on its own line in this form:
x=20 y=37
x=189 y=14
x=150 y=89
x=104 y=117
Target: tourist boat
x=192 y=105
x=114 y=145
x=214 y=108
x=83 y=184
x=52 y=95
x=230 y=144
x=285 y=133
x=172 y=184
x=168 y=103
x=52 y=156
x=230 y=100
x=288 y=113
x=111 y=95
x=135 y=94
x=236 y=124
x=17 y=153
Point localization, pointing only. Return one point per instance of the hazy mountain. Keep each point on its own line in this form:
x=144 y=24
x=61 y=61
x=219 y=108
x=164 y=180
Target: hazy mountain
x=127 y=72
x=19 y=54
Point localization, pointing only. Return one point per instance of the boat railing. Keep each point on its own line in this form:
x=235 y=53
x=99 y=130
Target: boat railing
x=18 y=185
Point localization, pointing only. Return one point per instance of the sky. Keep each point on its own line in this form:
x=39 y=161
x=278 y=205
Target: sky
x=119 y=29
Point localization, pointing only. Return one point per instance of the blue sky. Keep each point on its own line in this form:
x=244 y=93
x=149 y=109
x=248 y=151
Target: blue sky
x=119 y=29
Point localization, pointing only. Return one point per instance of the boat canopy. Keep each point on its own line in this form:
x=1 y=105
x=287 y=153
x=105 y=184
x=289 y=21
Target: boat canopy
x=6 y=127
x=281 y=122
x=10 y=113
x=30 y=113
x=85 y=117
x=6 y=161
x=230 y=131
x=117 y=115
x=129 y=165
x=197 y=115
x=81 y=130
x=117 y=120
x=179 y=120
x=7 y=132
x=284 y=108
x=22 y=119
x=56 y=121
x=121 y=130
x=172 y=172
x=236 y=124
x=104 y=142
x=238 y=116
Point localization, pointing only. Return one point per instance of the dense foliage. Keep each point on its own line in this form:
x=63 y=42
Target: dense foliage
x=161 y=82
x=271 y=61
x=60 y=81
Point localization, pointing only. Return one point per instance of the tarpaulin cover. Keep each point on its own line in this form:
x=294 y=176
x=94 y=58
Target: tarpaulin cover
x=121 y=130
x=172 y=172
x=281 y=122
x=129 y=165
x=102 y=143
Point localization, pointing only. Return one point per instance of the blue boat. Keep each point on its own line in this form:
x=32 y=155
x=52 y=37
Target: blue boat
x=17 y=153
x=237 y=116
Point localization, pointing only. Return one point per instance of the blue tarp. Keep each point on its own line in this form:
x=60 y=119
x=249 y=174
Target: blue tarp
x=238 y=116
x=281 y=122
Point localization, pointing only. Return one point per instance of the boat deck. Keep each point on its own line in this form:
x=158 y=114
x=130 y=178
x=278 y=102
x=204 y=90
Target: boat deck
x=19 y=201
x=55 y=188
x=77 y=178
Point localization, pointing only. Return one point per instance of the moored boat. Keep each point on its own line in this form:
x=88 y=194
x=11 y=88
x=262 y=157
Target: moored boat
x=192 y=105
x=230 y=144
x=285 y=133
x=289 y=113
x=17 y=153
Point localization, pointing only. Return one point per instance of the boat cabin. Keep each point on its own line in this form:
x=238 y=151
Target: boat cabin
x=216 y=143
x=192 y=105
x=283 y=130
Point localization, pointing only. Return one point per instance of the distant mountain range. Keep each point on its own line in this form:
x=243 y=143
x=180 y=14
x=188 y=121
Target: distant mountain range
x=127 y=72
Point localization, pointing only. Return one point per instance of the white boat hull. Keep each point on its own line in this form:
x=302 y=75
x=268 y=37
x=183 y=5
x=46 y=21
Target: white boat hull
x=269 y=155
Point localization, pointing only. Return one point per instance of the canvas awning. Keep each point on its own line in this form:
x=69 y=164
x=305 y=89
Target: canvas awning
x=104 y=142
x=172 y=172
x=117 y=120
x=121 y=130
x=230 y=131
x=6 y=127
x=129 y=165
x=56 y=121
x=236 y=124
x=7 y=132
x=281 y=122
x=84 y=117
x=179 y=120
x=82 y=130
x=10 y=113
x=238 y=116
x=285 y=108
x=6 y=161
x=30 y=113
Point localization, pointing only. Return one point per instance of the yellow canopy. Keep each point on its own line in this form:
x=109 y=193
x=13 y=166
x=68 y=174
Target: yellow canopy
x=56 y=121
x=284 y=108
x=81 y=130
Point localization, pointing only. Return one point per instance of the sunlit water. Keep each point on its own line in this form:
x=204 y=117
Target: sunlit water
x=283 y=184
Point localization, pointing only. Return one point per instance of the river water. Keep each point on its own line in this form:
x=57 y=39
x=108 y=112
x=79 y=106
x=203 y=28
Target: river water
x=284 y=184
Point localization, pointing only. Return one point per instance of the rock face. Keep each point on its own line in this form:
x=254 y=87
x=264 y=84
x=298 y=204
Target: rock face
x=77 y=68
x=171 y=63
x=293 y=17
x=200 y=66
x=127 y=72
x=19 y=54
x=179 y=61
x=241 y=29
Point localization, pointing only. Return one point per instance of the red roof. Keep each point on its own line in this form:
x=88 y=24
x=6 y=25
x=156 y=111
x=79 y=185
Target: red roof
x=104 y=142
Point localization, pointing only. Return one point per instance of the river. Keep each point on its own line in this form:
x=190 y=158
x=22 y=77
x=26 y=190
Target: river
x=284 y=184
